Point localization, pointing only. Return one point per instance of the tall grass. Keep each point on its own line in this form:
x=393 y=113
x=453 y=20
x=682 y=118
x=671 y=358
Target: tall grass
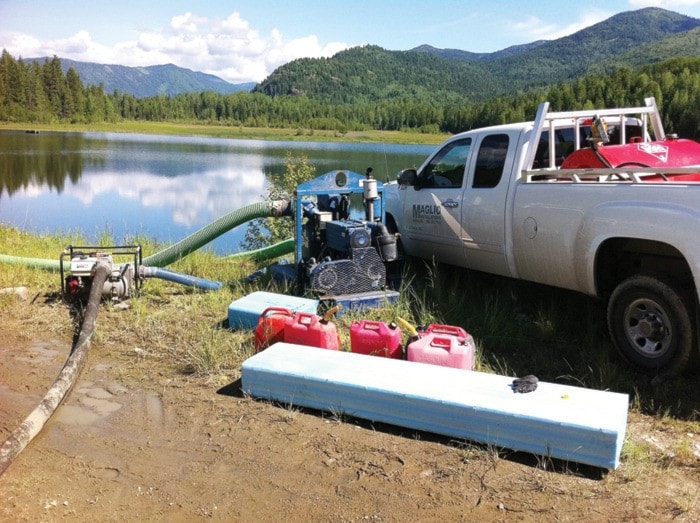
x=519 y=328
x=524 y=328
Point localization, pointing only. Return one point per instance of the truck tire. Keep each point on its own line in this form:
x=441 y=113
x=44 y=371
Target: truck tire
x=651 y=324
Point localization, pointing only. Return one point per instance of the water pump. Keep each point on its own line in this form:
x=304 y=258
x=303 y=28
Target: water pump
x=78 y=264
x=343 y=247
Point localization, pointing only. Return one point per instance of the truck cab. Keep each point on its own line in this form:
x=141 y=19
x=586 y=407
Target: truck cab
x=451 y=208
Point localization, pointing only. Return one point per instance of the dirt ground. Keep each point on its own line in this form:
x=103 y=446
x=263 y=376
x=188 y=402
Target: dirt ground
x=155 y=445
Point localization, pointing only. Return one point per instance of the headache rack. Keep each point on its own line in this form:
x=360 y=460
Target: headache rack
x=552 y=121
x=543 y=157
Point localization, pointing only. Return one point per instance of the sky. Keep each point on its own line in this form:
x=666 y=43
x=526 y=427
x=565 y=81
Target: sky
x=245 y=41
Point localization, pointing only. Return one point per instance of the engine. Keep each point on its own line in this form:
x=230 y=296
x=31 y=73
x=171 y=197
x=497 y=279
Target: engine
x=77 y=266
x=352 y=259
x=344 y=255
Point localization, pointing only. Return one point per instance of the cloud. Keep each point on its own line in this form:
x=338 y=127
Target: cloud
x=534 y=28
x=226 y=47
x=664 y=4
x=188 y=23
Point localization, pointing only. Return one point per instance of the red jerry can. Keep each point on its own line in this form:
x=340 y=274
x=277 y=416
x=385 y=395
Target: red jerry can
x=376 y=338
x=270 y=328
x=308 y=329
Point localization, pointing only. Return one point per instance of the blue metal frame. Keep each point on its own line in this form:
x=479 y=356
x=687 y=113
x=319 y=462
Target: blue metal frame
x=333 y=182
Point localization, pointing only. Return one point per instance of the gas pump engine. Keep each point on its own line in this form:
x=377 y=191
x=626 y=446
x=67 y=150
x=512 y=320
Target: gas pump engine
x=341 y=251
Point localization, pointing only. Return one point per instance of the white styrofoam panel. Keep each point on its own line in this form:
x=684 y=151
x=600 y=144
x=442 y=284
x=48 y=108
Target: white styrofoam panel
x=558 y=421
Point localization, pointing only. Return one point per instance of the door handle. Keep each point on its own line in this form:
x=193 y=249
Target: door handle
x=450 y=204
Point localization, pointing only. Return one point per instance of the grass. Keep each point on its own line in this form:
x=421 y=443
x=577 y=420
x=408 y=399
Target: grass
x=519 y=329
x=235 y=132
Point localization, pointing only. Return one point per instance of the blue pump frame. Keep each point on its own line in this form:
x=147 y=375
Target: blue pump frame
x=333 y=182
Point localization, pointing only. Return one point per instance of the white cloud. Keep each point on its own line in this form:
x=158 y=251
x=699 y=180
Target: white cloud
x=188 y=23
x=534 y=28
x=228 y=47
x=664 y=4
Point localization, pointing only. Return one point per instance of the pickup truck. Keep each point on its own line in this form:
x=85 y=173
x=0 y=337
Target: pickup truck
x=597 y=201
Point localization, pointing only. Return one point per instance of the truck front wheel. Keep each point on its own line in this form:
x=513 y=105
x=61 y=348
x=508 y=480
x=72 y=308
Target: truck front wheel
x=650 y=322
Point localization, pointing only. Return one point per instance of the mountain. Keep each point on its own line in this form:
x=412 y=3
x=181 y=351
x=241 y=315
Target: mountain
x=658 y=51
x=581 y=52
x=371 y=73
x=456 y=54
x=148 y=81
x=428 y=74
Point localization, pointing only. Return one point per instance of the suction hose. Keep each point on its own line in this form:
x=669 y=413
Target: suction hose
x=194 y=241
x=215 y=229
x=33 y=424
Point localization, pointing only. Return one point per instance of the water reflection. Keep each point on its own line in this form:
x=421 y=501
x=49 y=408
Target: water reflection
x=164 y=187
x=43 y=160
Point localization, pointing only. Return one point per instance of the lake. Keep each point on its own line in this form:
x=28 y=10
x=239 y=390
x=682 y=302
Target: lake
x=163 y=187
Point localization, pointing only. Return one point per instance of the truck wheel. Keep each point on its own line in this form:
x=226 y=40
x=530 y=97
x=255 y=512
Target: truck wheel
x=650 y=322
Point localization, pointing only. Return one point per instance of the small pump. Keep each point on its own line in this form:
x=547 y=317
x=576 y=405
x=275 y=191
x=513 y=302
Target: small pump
x=77 y=274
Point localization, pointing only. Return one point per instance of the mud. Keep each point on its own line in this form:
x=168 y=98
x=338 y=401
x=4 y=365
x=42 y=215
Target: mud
x=136 y=442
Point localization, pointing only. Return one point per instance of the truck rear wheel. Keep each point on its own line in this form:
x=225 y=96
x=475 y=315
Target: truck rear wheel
x=651 y=324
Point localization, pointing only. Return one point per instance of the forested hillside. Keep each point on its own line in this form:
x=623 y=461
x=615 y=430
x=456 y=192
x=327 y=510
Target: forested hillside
x=370 y=73
x=433 y=75
x=370 y=88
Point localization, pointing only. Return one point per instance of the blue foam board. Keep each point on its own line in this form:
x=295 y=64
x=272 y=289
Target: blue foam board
x=558 y=421
x=244 y=312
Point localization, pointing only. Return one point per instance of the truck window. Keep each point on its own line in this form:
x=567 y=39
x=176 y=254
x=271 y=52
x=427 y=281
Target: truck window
x=490 y=161
x=446 y=169
x=564 y=146
x=565 y=141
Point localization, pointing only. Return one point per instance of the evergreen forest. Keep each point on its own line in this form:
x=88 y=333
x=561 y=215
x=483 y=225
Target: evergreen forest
x=611 y=64
x=41 y=93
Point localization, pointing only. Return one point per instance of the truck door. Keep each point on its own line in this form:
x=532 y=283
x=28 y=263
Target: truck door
x=432 y=207
x=484 y=209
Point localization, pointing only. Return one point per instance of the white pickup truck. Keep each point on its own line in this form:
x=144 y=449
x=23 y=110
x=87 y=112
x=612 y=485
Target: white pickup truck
x=599 y=201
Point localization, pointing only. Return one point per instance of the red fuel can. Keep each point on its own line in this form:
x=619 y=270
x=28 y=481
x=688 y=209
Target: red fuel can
x=443 y=345
x=376 y=338
x=270 y=328
x=308 y=329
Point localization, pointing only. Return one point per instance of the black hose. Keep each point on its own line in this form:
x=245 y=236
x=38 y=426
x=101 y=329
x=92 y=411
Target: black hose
x=33 y=424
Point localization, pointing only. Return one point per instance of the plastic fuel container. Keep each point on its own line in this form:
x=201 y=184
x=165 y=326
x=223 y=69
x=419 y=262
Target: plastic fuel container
x=270 y=328
x=444 y=345
x=376 y=338
x=308 y=329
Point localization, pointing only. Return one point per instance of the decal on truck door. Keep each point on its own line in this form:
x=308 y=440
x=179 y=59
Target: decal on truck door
x=432 y=210
x=423 y=213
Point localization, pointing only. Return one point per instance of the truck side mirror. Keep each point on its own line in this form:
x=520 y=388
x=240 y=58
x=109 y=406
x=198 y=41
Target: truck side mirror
x=407 y=177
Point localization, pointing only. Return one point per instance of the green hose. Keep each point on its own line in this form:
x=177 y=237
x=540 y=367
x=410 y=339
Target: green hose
x=195 y=240
x=265 y=253
x=214 y=230
x=39 y=263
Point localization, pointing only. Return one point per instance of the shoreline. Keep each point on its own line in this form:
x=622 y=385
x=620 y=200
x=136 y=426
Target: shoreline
x=233 y=132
